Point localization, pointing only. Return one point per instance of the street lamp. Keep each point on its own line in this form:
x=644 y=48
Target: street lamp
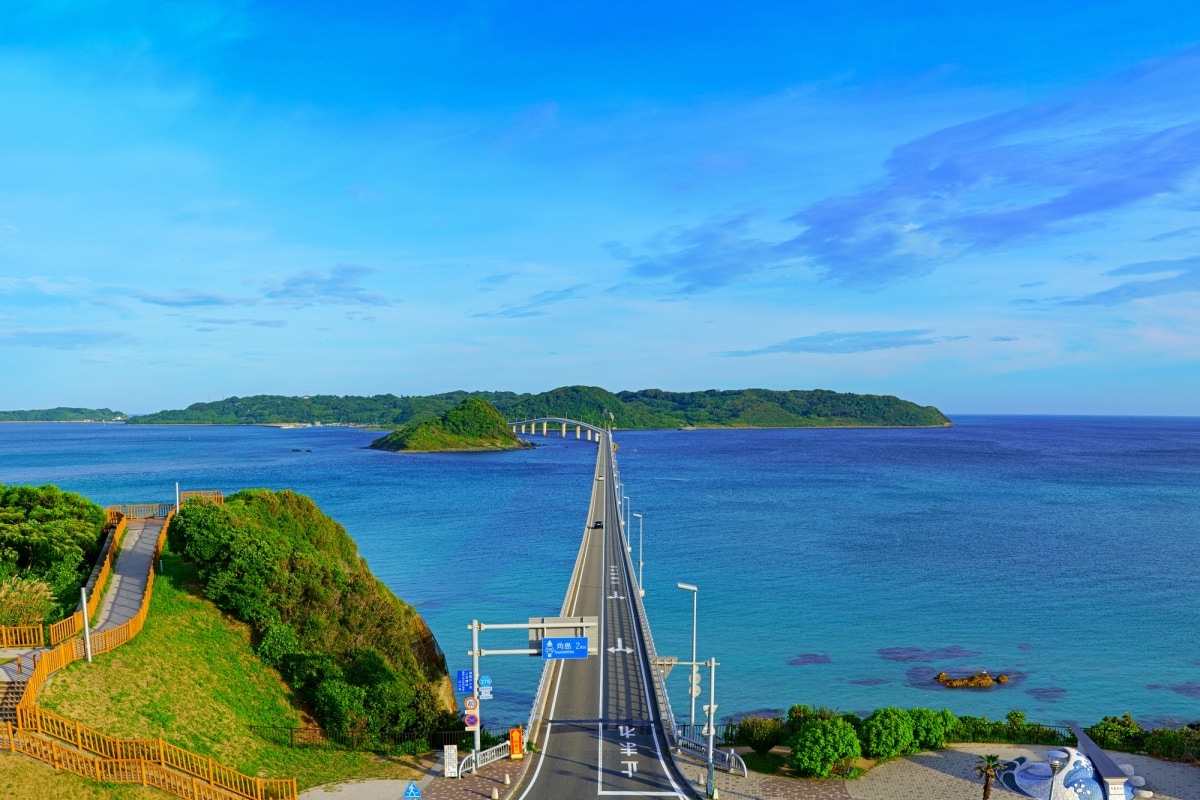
x=693 y=690
x=641 y=563
x=1055 y=766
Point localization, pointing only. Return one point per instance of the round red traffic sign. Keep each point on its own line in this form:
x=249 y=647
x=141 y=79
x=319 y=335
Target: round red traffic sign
x=470 y=704
x=472 y=720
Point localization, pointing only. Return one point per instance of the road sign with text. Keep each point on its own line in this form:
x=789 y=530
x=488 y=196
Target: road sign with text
x=465 y=683
x=565 y=647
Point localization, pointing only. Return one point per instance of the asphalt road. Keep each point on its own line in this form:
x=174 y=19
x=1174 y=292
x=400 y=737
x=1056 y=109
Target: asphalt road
x=602 y=735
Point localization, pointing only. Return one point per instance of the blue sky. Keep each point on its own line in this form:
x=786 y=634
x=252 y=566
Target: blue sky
x=984 y=207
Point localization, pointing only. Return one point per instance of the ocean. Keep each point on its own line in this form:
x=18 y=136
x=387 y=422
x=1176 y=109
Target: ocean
x=836 y=567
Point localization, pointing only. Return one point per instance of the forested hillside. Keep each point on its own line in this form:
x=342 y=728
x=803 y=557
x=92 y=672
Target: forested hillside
x=62 y=414
x=647 y=408
x=354 y=652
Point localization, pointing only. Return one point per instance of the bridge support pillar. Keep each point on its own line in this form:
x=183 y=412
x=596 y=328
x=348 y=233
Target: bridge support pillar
x=522 y=427
x=577 y=430
x=564 y=430
x=589 y=434
x=543 y=429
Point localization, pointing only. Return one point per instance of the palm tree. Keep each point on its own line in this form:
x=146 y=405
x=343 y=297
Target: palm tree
x=987 y=768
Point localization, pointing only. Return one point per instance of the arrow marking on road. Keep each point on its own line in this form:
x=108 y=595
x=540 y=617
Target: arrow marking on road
x=620 y=648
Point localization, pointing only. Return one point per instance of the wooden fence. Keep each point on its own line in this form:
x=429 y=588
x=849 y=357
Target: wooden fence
x=207 y=495
x=22 y=636
x=73 y=624
x=149 y=762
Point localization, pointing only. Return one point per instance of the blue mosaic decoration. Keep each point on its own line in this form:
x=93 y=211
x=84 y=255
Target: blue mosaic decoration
x=1075 y=781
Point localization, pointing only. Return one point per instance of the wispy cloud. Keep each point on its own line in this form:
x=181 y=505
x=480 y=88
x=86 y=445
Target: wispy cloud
x=60 y=338
x=1033 y=172
x=257 y=323
x=1190 y=232
x=708 y=256
x=536 y=305
x=1005 y=339
x=189 y=298
x=830 y=342
x=1186 y=278
x=340 y=285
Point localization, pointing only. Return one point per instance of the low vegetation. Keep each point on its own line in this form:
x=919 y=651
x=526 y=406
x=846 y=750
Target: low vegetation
x=826 y=743
x=354 y=653
x=646 y=408
x=473 y=424
x=49 y=541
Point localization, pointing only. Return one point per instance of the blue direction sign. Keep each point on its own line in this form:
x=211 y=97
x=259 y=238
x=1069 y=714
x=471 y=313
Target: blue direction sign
x=465 y=682
x=413 y=791
x=565 y=647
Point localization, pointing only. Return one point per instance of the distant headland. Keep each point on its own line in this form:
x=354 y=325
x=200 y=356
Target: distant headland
x=642 y=409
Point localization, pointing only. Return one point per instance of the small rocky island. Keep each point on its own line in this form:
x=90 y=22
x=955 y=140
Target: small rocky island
x=471 y=426
x=980 y=680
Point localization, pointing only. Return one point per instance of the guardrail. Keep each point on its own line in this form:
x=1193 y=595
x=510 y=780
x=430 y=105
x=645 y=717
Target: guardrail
x=725 y=759
x=474 y=761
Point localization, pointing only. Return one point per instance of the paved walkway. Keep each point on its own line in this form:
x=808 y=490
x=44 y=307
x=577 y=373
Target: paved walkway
x=122 y=598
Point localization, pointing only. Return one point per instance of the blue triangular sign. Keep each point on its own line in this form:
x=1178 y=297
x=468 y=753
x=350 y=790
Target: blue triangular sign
x=412 y=791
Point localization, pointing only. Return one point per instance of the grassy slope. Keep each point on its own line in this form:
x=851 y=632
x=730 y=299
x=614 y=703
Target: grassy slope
x=23 y=777
x=192 y=678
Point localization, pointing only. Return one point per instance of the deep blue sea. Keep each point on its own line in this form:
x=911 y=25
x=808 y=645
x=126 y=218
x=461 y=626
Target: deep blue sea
x=836 y=567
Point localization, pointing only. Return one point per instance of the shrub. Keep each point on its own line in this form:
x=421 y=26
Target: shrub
x=823 y=744
x=888 y=732
x=930 y=728
x=339 y=706
x=279 y=640
x=799 y=714
x=1118 y=733
x=25 y=601
x=760 y=734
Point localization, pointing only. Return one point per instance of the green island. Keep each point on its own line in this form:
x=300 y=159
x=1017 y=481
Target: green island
x=63 y=414
x=472 y=425
x=643 y=409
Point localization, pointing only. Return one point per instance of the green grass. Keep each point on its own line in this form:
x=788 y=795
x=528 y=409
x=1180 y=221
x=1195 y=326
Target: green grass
x=192 y=678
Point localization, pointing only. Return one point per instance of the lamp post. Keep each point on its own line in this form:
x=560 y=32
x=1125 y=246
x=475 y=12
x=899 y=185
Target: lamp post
x=1055 y=766
x=693 y=689
x=710 y=713
x=641 y=563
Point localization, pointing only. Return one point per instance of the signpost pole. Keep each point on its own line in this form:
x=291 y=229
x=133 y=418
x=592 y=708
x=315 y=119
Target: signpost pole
x=87 y=632
x=475 y=686
x=712 y=725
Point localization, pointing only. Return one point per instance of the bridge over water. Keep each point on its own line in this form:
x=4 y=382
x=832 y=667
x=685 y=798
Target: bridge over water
x=604 y=725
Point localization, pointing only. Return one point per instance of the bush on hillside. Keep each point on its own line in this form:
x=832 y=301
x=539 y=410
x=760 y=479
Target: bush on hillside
x=760 y=734
x=351 y=650
x=1173 y=745
x=887 y=733
x=51 y=536
x=25 y=601
x=823 y=745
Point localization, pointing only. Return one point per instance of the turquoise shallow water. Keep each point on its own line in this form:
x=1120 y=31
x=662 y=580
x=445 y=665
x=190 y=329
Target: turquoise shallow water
x=836 y=567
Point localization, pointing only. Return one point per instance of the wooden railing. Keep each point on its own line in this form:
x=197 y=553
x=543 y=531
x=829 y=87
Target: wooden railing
x=73 y=624
x=145 y=510
x=146 y=768
x=22 y=636
x=207 y=495
x=149 y=762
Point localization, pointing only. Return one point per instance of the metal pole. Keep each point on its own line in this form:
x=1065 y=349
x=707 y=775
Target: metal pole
x=176 y=497
x=712 y=724
x=687 y=587
x=475 y=688
x=641 y=563
x=87 y=633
